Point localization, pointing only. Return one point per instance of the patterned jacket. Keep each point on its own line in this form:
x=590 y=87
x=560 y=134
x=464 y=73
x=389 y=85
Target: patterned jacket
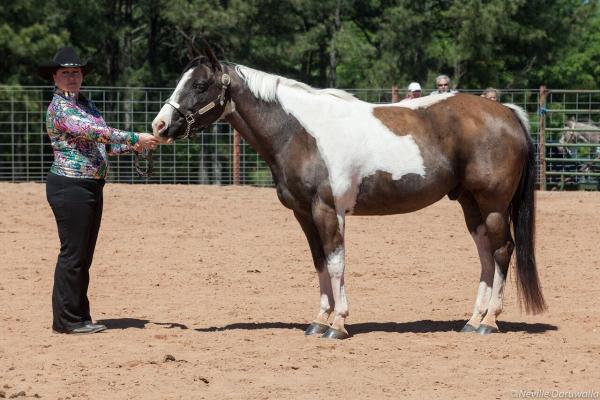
x=78 y=135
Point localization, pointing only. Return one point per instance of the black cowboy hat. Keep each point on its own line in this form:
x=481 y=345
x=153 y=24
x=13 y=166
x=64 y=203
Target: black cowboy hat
x=65 y=57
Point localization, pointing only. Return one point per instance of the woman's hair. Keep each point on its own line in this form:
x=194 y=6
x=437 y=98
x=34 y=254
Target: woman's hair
x=440 y=77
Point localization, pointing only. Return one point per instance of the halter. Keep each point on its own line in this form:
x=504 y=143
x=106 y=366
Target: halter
x=190 y=118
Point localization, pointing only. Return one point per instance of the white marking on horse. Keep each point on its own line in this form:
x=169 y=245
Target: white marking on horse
x=335 y=263
x=264 y=85
x=421 y=102
x=326 y=302
x=352 y=141
x=167 y=110
x=497 y=296
x=341 y=221
x=229 y=108
x=335 y=267
x=521 y=114
x=484 y=291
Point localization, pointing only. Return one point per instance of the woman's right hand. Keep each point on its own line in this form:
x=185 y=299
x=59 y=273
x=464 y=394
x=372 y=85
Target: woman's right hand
x=146 y=142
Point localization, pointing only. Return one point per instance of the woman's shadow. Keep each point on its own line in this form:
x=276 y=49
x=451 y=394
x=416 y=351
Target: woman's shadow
x=126 y=323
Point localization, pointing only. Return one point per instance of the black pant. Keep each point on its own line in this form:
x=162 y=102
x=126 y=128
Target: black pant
x=77 y=207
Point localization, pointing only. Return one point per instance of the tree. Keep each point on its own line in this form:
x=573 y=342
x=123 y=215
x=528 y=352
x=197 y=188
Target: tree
x=577 y=64
x=350 y=43
x=29 y=33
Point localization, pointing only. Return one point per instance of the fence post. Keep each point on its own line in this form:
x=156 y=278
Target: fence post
x=542 y=137
x=395 y=94
x=12 y=135
x=236 y=157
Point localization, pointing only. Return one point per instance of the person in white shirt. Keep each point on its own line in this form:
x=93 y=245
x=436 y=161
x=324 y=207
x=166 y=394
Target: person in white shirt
x=442 y=83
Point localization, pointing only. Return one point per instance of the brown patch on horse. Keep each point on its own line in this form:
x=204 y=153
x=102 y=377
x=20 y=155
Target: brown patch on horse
x=398 y=119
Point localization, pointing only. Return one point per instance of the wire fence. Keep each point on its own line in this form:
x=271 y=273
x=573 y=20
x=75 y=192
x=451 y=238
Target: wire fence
x=571 y=139
x=563 y=124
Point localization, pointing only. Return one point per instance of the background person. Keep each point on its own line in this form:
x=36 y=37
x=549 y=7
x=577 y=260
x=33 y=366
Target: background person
x=79 y=136
x=491 y=94
x=414 y=91
x=442 y=84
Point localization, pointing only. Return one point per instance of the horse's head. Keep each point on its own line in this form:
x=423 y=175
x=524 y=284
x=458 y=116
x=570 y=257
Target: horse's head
x=200 y=98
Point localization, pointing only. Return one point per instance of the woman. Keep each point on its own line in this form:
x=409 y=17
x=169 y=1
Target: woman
x=74 y=186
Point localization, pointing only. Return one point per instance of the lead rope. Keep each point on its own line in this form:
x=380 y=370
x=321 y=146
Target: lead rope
x=146 y=155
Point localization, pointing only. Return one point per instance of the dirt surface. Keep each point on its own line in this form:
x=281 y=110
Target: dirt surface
x=207 y=290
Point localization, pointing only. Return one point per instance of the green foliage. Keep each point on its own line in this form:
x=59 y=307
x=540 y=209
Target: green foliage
x=343 y=43
x=579 y=64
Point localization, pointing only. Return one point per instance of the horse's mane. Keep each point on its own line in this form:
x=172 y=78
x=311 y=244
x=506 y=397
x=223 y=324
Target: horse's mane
x=264 y=85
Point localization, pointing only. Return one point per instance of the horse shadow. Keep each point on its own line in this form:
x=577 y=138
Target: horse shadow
x=421 y=326
x=251 y=326
x=431 y=326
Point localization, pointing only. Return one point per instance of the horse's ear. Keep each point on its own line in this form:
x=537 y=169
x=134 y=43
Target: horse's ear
x=192 y=50
x=216 y=65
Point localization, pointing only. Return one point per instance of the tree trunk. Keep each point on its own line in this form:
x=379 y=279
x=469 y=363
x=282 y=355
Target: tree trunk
x=151 y=56
x=332 y=49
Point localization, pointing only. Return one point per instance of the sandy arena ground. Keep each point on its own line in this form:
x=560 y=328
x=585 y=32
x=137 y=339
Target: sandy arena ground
x=207 y=290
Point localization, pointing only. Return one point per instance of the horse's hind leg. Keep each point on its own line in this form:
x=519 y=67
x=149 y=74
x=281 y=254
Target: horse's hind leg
x=502 y=245
x=326 y=303
x=490 y=230
x=477 y=229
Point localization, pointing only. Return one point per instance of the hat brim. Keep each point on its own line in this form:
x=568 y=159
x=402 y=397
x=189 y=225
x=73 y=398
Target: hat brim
x=47 y=70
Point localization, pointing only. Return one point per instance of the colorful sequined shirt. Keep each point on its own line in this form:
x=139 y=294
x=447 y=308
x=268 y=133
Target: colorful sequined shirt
x=78 y=135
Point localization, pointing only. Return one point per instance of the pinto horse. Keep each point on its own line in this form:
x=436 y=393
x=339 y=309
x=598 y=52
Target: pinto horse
x=332 y=155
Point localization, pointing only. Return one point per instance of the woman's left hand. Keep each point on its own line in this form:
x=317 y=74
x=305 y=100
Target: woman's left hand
x=146 y=142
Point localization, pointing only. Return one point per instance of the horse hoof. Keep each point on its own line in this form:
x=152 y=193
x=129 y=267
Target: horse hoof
x=486 y=329
x=468 y=328
x=316 y=328
x=335 y=334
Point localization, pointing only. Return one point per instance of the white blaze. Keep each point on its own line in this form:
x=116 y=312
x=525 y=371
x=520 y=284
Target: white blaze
x=166 y=112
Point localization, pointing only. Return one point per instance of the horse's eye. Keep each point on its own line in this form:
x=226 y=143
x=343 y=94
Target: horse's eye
x=200 y=86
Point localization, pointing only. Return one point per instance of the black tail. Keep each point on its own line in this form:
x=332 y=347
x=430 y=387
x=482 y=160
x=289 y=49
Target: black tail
x=522 y=214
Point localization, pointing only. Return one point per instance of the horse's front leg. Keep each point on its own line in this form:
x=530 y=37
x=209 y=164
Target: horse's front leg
x=330 y=225
x=320 y=323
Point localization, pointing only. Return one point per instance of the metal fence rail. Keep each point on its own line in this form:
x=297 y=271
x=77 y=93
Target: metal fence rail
x=571 y=138
x=25 y=152
x=26 y=155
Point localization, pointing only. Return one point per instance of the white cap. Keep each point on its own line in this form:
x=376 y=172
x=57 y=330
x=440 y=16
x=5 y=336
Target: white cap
x=414 y=86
